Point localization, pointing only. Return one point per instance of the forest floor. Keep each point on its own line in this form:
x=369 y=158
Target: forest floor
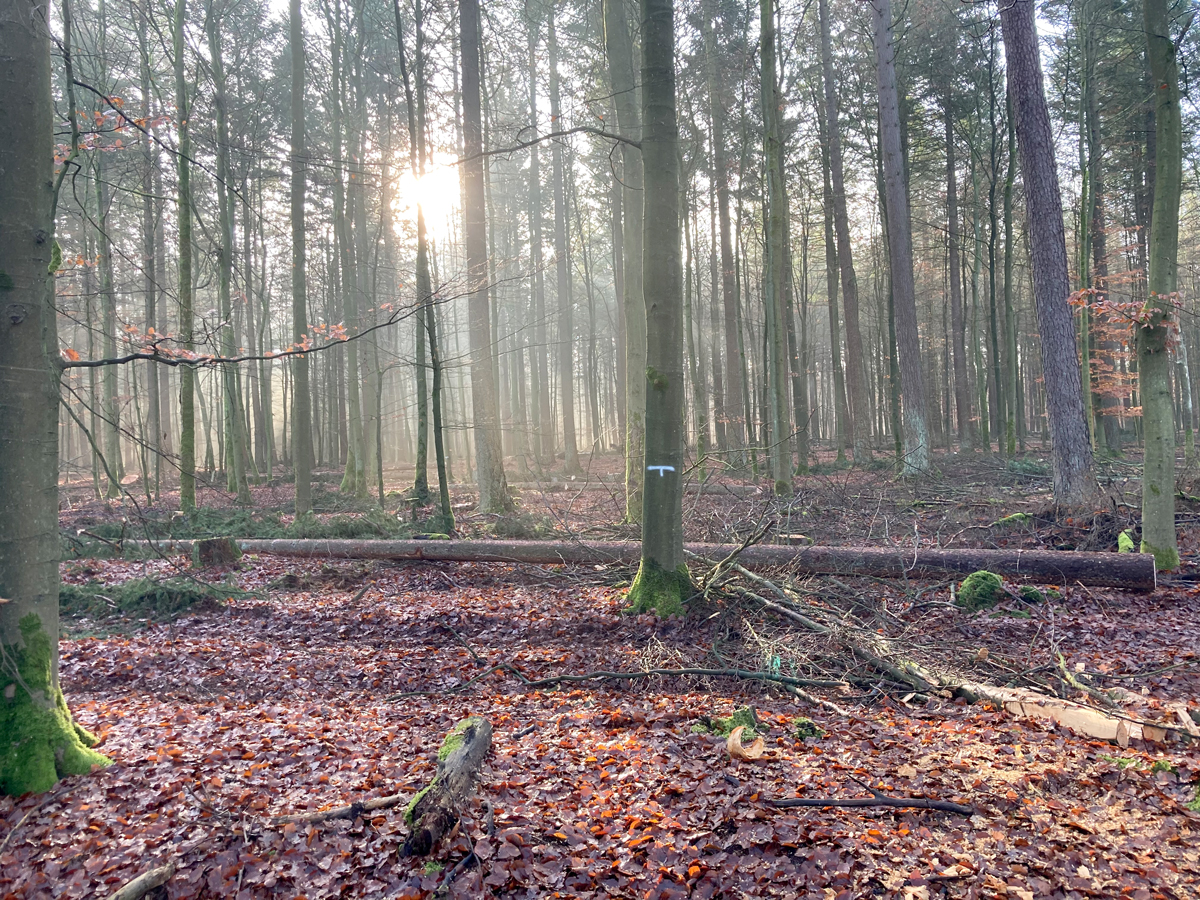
x=291 y=690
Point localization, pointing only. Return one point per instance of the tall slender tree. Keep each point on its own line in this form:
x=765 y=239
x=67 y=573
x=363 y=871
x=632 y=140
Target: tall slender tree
x=302 y=448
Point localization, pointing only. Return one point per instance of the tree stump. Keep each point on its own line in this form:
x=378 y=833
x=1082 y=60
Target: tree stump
x=219 y=551
x=434 y=810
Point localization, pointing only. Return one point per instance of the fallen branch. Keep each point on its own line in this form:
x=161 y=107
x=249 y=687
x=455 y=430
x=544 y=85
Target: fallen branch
x=1132 y=571
x=353 y=811
x=877 y=800
x=744 y=674
x=144 y=883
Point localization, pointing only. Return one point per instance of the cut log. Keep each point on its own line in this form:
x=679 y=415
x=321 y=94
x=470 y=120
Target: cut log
x=144 y=883
x=1131 y=571
x=434 y=811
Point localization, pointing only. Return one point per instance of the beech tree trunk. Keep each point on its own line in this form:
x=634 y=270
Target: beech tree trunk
x=662 y=581
x=1071 y=449
x=39 y=743
x=1154 y=335
x=958 y=321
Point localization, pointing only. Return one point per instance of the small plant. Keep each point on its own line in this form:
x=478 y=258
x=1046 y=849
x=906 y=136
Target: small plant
x=1125 y=543
x=804 y=727
x=744 y=717
x=1030 y=594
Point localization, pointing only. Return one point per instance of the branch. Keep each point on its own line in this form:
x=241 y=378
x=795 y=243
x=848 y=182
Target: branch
x=525 y=145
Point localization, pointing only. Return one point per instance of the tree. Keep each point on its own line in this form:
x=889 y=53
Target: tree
x=619 y=46
x=776 y=262
x=662 y=582
x=1074 y=480
x=1154 y=332
x=39 y=742
x=187 y=375
x=856 y=376
x=899 y=233
x=302 y=450
x=493 y=489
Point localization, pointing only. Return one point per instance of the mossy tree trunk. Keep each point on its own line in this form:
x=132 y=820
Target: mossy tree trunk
x=1154 y=358
x=38 y=741
x=662 y=582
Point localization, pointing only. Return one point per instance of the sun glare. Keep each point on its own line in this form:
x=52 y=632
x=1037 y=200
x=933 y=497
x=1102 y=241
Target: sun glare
x=437 y=193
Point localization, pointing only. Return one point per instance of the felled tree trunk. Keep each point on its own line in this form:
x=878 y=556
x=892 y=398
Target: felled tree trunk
x=433 y=811
x=1132 y=571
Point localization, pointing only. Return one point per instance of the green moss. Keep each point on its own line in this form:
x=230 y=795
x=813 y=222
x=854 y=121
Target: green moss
x=1194 y=803
x=1125 y=542
x=783 y=488
x=454 y=738
x=1030 y=594
x=412 y=804
x=656 y=379
x=433 y=867
x=41 y=743
x=138 y=598
x=744 y=717
x=980 y=590
x=1013 y=520
x=55 y=258
x=1165 y=558
x=6 y=282
x=656 y=590
x=804 y=727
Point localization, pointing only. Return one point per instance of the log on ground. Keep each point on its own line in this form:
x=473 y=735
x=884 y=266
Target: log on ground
x=435 y=810
x=1132 y=571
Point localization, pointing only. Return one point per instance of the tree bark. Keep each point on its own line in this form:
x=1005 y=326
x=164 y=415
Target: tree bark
x=1074 y=480
x=958 y=322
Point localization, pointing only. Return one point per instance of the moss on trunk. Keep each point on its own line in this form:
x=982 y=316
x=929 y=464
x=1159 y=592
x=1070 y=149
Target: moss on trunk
x=41 y=742
x=658 y=591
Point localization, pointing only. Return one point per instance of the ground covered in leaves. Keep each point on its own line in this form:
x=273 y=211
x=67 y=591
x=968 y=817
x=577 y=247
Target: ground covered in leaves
x=295 y=687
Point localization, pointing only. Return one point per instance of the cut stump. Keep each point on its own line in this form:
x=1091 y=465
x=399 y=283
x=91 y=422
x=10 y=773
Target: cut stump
x=434 y=811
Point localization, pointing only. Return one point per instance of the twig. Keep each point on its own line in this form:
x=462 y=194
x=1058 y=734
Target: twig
x=8 y=837
x=876 y=799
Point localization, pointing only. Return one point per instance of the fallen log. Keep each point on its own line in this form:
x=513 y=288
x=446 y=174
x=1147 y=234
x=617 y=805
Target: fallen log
x=1131 y=571
x=434 y=811
x=144 y=883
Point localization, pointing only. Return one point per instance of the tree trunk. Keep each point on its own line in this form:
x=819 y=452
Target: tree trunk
x=150 y=271
x=958 y=322
x=841 y=410
x=39 y=743
x=562 y=261
x=775 y=262
x=1074 y=480
x=619 y=47
x=859 y=422
x=302 y=446
x=493 y=490
x=1155 y=335
x=662 y=582
x=543 y=419
x=187 y=374
x=908 y=345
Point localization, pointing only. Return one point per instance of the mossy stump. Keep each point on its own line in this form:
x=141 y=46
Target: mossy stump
x=218 y=551
x=39 y=741
x=655 y=590
x=434 y=810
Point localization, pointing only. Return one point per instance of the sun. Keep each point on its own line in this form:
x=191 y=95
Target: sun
x=437 y=192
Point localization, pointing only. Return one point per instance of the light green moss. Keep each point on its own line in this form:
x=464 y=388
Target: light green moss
x=658 y=591
x=412 y=804
x=1125 y=542
x=1030 y=594
x=454 y=738
x=980 y=590
x=804 y=727
x=1165 y=558
x=41 y=743
x=1019 y=518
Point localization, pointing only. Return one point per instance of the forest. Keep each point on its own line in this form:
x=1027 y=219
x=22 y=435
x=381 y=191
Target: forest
x=603 y=448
